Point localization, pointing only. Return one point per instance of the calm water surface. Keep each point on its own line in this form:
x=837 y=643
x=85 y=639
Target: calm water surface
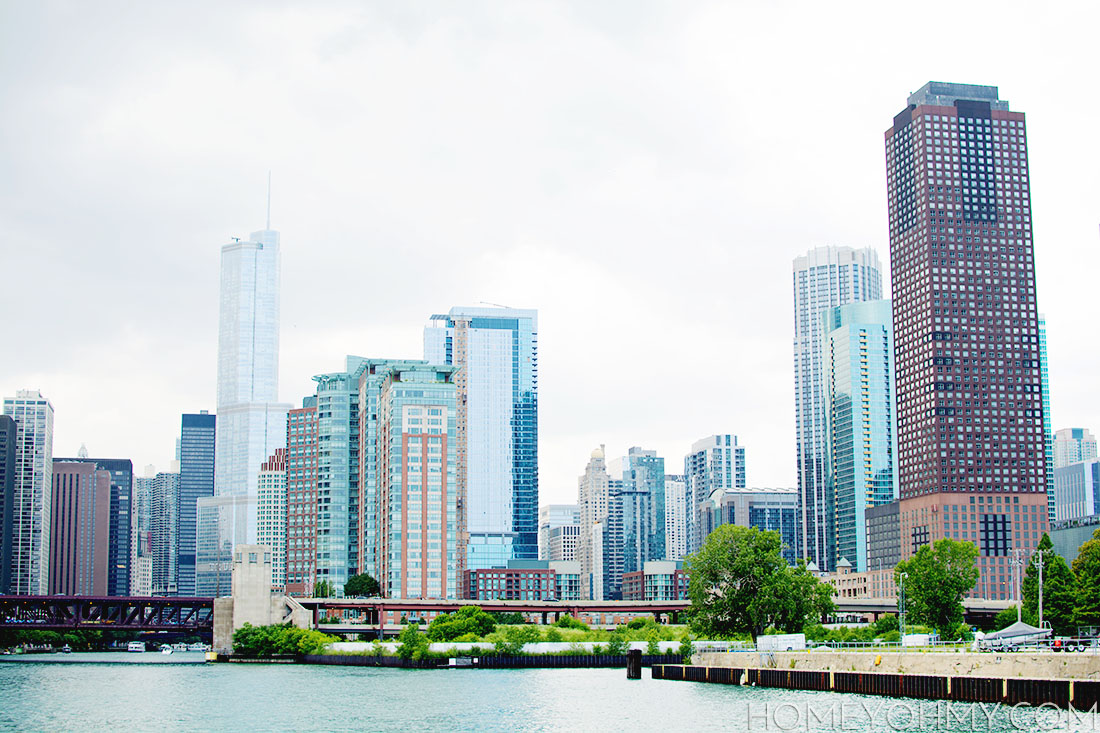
x=154 y=692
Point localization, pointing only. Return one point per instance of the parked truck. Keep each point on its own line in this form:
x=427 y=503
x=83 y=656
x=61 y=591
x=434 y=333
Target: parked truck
x=781 y=643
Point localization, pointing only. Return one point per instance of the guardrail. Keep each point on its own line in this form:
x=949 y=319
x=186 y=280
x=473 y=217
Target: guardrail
x=1054 y=646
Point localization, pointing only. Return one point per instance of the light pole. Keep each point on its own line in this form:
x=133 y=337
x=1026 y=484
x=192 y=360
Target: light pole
x=1039 y=562
x=1017 y=581
x=901 y=606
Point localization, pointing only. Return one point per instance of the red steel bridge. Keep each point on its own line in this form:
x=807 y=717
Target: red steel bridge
x=63 y=613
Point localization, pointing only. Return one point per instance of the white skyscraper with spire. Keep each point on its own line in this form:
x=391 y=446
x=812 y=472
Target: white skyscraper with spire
x=251 y=422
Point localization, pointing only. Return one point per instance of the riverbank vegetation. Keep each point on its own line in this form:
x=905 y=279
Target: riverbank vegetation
x=278 y=640
x=80 y=640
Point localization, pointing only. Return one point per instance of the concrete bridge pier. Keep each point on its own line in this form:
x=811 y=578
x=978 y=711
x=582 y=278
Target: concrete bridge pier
x=252 y=600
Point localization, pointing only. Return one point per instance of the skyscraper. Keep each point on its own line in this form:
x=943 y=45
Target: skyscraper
x=196 y=481
x=80 y=530
x=496 y=350
x=826 y=277
x=676 y=524
x=1048 y=430
x=1072 y=445
x=301 y=498
x=251 y=422
x=553 y=517
x=165 y=533
x=7 y=497
x=31 y=492
x=593 y=494
x=271 y=513
x=859 y=415
x=715 y=464
x=642 y=499
x=971 y=454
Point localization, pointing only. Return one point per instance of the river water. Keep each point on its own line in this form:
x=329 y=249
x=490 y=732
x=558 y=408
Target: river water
x=155 y=692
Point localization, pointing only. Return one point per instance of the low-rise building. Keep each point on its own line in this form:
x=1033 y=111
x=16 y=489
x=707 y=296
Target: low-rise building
x=658 y=580
x=525 y=580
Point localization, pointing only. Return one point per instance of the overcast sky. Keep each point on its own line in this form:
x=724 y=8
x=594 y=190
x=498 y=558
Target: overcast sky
x=641 y=173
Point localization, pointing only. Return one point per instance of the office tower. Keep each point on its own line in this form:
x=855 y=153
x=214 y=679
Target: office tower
x=676 y=523
x=409 y=444
x=593 y=493
x=773 y=510
x=496 y=350
x=858 y=351
x=826 y=277
x=31 y=492
x=1048 y=431
x=141 y=534
x=642 y=499
x=1072 y=445
x=7 y=497
x=80 y=530
x=716 y=464
x=301 y=498
x=165 y=532
x=271 y=514
x=251 y=422
x=552 y=517
x=196 y=481
x=218 y=521
x=971 y=457
x=1077 y=490
x=121 y=471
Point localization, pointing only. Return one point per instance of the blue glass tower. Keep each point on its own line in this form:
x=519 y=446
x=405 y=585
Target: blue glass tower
x=196 y=481
x=496 y=350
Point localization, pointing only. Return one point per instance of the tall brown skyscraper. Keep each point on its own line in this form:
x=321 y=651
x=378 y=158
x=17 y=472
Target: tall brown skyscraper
x=966 y=332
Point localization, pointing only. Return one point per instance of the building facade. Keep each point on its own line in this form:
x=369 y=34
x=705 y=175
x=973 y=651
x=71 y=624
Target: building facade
x=251 y=422
x=32 y=490
x=859 y=416
x=219 y=520
x=676 y=524
x=1077 y=490
x=7 y=498
x=715 y=464
x=883 y=536
x=196 y=481
x=271 y=514
x=80 y=530
x=658 y=580
x=301 y=498
x=826 y=277
x=121 y=471
x=552 y=517
x=496 y=352
x=766 y=509
x=1072 y=445
x=524 y=580
x=165 y=536
x=642 y=498
x=971 y=454
x=593 y=494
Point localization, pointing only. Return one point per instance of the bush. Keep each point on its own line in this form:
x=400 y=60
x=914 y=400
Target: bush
x=686 y=648
x=571 y=622
x=553 y=635
x=892 y=636
x=514 y=639
x=411 y=643
x=268 y=641
x=886 y=622
x=653 y=645
x=639 y=622
x=464 y=621
x=511 y=617
x=617 y=644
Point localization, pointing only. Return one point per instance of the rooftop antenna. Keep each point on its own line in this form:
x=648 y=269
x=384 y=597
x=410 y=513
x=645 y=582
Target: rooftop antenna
x=268 y=200
x=495 y=305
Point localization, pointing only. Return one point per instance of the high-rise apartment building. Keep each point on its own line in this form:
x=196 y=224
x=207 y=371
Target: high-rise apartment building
x=80 y=530
x=593 y=494
x=554 y=517
x=642 y=499
x=31 y=492
x=772 y=510
x=121 y=471
x=251 y=422
x=971 y=453
x=165 y=532
x=301 y=498
x=1048 y=431
x=1077 y=490
x=826 y=277
x=676 y=524
x=716 y=463
x=141 y=533
x=271 y=514
x=858 y=350
x=1072 y=445
x=196 y=481
x=7 y=497
x=496 y=350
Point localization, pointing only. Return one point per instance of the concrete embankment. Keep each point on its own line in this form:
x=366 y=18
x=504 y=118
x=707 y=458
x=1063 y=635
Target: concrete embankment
x=1007 y=665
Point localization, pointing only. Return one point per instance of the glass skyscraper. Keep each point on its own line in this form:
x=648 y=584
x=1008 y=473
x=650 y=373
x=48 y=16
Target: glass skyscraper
x=859 y=414
x=251 y=423
x=825 y=277
x=196 y=481
x=496 y=350
x=716 y=464
x=31 y=492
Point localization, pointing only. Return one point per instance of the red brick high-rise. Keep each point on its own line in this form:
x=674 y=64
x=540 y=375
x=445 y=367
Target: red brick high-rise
x=301 y=499
x=80 y=530
x=966 y=332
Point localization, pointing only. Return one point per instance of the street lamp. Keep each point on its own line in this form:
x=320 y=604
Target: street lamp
x=901 y=605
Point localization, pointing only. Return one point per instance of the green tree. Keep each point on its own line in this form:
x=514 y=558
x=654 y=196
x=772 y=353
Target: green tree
x=1007 y=617
x=686 y=648
x=617 y=644
x=937 y=579
x=322 y=589
x=514 y=637
x=466 y=620
x=653 y=642
x=1059 y=589
x=1086 y=569
x=738 y=582
x=571 y=622
x=362 y=585
x=411 y=644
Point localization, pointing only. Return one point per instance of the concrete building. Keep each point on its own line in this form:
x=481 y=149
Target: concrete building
x=196 y=481
x=251 y=421
x=7 y=497
x=32 y=485
x=80 y=530
x=562 y=543
x=166 y=533
x=271 y=514
x=141 y=532
x=301 y=498
x=1077 y=490
x=593 y=493
x=826 y=277
x=851 y=584
x=658 y=580
x=1073 y=445
x=496 y=353
x=971 y=453
x=676 y=522
x=766 y=509
x=715 y=464
x=883 y=536
x=554 y=516
x=858 y=358
x=121 y=471
x=524 y=580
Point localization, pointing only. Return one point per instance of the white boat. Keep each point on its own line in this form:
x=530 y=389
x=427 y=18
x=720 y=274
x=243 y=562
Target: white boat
x=165 y=649
x=135 y=646
x=198 y=646
x=179 y=647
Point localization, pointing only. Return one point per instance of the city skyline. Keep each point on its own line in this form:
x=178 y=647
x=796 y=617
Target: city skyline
x=613 y=186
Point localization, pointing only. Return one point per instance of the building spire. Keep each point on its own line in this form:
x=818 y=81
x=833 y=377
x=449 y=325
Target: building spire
x=268 y=200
